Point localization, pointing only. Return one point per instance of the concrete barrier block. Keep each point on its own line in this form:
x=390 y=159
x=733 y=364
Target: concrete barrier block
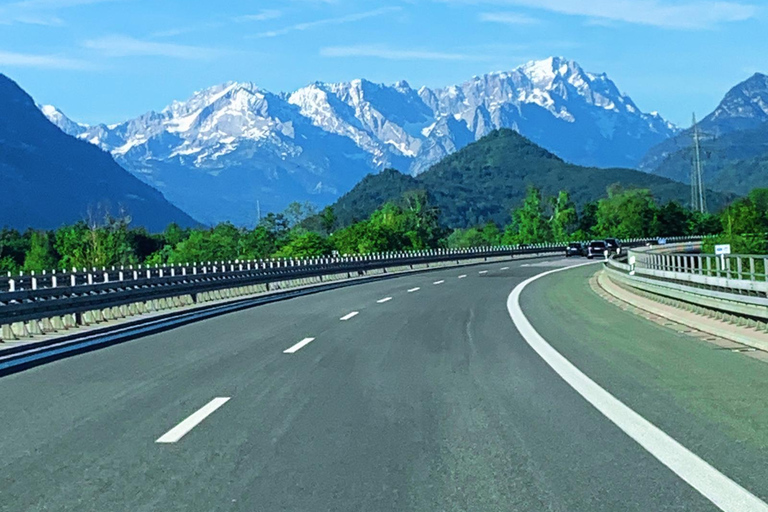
x=57 y=323
x=46 y=325
x=20 y=329
x=33 y=328
x=70 y=321
x=6 y=333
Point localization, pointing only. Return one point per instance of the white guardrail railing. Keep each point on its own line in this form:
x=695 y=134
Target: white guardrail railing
x=48 y=302
x=734 y=284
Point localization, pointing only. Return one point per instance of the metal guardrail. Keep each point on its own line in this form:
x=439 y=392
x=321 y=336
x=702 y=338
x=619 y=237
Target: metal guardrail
x=735 y=285
x=34 y=296
x=62 y=300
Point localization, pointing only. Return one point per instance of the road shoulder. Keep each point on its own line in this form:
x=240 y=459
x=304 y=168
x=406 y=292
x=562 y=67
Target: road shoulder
x=711 y=400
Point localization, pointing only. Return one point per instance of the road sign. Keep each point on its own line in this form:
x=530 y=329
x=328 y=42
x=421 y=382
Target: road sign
x=723 y=249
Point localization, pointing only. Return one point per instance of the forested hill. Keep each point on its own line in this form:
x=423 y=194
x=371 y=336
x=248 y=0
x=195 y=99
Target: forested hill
x=486 y=179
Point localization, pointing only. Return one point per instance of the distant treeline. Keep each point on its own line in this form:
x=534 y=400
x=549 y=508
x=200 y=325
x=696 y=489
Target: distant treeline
x=409 y=223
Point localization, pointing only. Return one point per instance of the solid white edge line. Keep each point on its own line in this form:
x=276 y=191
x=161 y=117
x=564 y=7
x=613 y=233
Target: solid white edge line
x=462 y=276
x=726 y=494
x=298 y=346
x=414 y=289
x=439 y=282
x=349 y=315
x=192 y=421
x=385 y=299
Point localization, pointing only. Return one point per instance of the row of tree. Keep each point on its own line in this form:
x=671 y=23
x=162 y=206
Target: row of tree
x=408 y=224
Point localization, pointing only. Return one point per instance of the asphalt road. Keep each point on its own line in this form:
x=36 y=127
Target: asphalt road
x=428 y=401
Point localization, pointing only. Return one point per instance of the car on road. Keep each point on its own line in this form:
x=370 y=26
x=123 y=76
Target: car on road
x=613 y=245
x=575 y=249
x=597 y=248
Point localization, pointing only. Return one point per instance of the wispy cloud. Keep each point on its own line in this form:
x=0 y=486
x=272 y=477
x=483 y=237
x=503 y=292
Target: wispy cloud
x=350 y=18
x=40 y=12
x=508 y=18
x=384 y=52
x=694 y=14
x=263 y=15
x=125 y=46
x=29 y=60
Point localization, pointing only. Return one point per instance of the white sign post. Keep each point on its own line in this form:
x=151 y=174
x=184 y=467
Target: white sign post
x=722 y=250
x=632 y=265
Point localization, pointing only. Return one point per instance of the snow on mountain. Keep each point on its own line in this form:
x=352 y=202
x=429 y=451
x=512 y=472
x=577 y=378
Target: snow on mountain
x=745 y=106
x=58 y=118
x=315 y=143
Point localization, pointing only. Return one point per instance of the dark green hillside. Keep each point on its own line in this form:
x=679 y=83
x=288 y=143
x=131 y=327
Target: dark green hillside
x=486 y=179
x=735 y=162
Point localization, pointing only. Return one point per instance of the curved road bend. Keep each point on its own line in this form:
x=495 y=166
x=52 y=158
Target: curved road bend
x=426 y=399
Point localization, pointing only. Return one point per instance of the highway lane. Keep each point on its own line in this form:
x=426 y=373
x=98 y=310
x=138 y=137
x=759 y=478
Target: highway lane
x=428 y=401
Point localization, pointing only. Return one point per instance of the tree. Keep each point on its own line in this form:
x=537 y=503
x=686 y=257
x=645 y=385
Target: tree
x=296 y=212
x=276 y=224
x=327 y=219
x=41 y=254
x=672 y=220
x=217 y=244
x=626 y=214
x=564 y=218
x=13 y=248
x=529 y=220
x=304 y=244
x=258 y=243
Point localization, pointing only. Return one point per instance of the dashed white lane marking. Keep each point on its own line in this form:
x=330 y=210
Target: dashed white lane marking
x=192 y=421
x=726 y=494
x=385 y=299
x=349 y=315
x=439 y=282
x=298 y=346
x=483 y=272
x=462 y=276
x=504 y=268
x=414 y=289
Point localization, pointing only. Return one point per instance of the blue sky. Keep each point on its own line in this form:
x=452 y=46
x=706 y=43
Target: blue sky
x=109 y=60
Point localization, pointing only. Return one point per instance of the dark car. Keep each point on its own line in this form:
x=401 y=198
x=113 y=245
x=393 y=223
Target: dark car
x=596 y=248
x=613 y=245
x=575 y=249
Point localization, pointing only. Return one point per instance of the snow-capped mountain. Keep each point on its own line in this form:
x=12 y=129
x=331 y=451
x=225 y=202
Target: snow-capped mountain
x=228 y=146
x=743 y=108
x=58 y=118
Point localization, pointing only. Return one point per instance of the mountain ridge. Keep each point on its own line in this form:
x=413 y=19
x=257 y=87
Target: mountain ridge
x=483 y=181
x=50 y=178
x=732 y=135
x=318 y=141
